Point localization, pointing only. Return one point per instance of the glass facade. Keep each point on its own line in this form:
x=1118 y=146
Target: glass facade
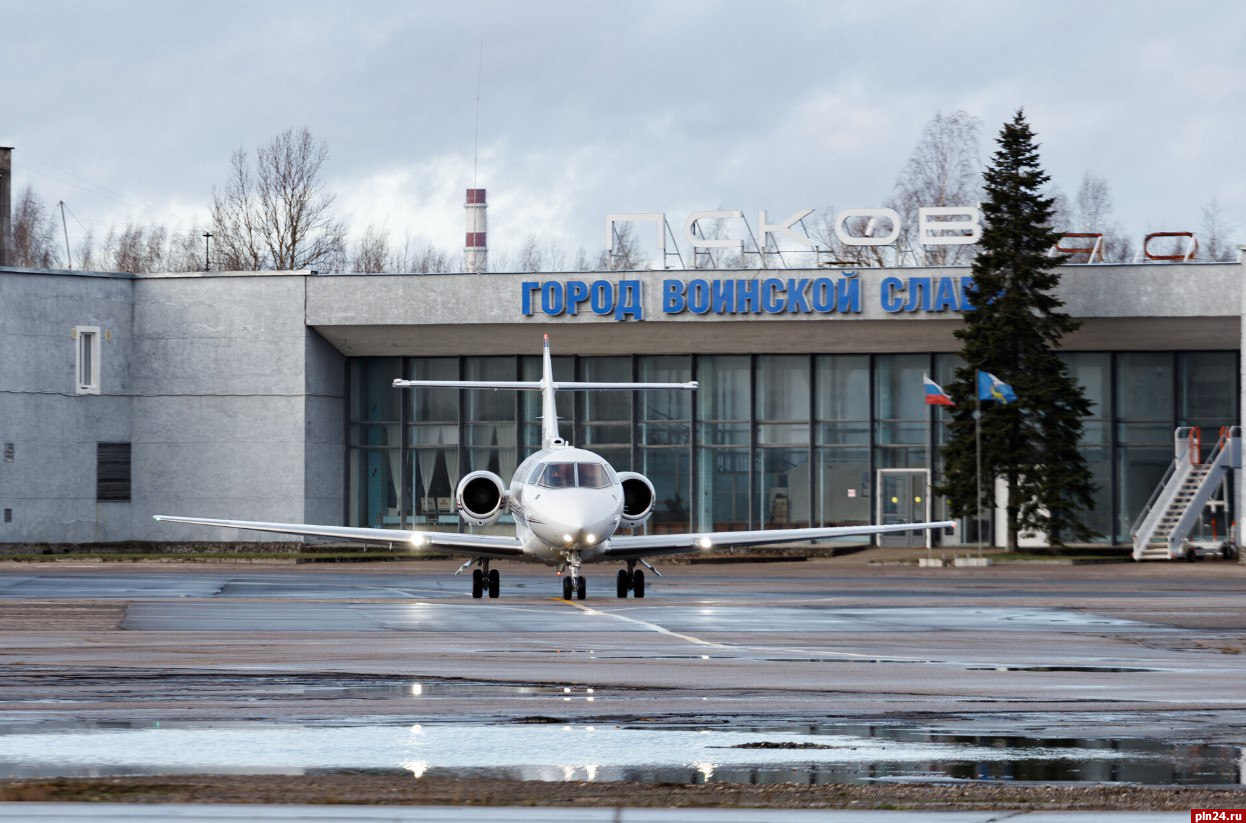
x=768 y=441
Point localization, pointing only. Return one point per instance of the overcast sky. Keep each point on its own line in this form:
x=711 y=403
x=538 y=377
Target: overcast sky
x=592 y=107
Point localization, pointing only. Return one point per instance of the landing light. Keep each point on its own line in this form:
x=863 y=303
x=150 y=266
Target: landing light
x=704 y=543
x=590 y=539
x=417 y=540
x=566 y=538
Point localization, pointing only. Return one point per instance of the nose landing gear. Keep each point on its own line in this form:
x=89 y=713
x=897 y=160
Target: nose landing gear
x=573 y=585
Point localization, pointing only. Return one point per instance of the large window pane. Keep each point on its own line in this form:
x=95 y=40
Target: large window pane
x=843 y=483
x=783 y=487
x=1144 y=388
x=372 y=393
x=726 y=384
x=373 y=487
x=843 y=387
x=782 y=387
x=898 y=390
x=723 y=493
x=1139 y=471
x=433 y=405
x=1207 y=389
x=434 y=475
x=669 y=470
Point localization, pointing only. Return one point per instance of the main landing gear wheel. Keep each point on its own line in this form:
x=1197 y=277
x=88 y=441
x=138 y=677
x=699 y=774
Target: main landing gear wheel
x=495 y=583
x=478 y=583
x=581 y=588
x=632 y=580
x=567 y=585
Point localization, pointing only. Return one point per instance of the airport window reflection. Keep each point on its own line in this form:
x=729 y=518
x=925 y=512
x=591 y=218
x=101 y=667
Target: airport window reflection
x=780 y=439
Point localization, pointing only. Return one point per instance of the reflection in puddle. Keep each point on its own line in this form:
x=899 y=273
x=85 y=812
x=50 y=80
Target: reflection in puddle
x=844 y=753
x=1107 y=669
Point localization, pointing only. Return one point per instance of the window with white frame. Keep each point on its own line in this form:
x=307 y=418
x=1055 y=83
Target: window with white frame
x=87 y=370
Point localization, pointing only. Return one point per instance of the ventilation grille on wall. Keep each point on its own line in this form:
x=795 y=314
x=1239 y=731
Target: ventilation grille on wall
x=112 y=471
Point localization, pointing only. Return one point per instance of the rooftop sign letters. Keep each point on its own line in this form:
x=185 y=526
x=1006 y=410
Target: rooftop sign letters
x=936 y=226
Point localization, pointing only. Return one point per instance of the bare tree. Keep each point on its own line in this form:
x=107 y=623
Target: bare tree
x=531 y=257
x=372 y=253
x=555 y=256
x=1214 y=234
x=626 y=254
x=583 y=262
x=34 y=233
x=835 y=252
x=277 y=214
x=420 y=257
x=944 y=170
x=1091 y=212
x=185 y=250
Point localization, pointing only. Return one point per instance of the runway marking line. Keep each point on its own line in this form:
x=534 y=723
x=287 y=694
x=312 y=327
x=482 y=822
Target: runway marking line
x=652 y=626
x=711 y=644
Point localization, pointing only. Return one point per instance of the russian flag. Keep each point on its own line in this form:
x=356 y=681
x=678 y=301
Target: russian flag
x=935 y=396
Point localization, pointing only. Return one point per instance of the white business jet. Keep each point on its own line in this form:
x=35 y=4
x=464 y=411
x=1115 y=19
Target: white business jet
x=569 y=505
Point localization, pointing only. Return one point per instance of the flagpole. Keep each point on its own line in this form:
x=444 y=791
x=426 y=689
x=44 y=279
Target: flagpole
x=930 y=412
x=977 y=436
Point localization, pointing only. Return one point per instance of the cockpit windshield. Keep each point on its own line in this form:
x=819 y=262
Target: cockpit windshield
x=591 y=476
x=570 y=475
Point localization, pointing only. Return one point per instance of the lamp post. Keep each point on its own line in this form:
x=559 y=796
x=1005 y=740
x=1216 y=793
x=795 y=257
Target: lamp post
x=207 y=260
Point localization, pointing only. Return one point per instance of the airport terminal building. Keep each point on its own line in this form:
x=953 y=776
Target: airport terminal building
x=268 y=395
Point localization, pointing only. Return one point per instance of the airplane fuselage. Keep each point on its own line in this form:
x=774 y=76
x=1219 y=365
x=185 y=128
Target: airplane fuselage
x=565 y=501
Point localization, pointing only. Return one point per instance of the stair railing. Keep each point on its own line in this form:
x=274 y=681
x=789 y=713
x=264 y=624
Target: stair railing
x=1144 y=525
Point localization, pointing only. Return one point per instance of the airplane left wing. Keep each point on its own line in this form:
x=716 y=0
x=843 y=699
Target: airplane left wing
x=468 y=545
x=626 y=547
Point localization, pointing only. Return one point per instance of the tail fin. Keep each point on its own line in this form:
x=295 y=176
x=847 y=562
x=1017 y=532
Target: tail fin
x=547 y=387
x=549 y=409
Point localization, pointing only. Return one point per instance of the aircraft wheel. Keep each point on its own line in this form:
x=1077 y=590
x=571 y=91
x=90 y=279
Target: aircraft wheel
x=495 y=583
x=581 y=588
x=478 y=583
x=638 y=584
x=623 y=583
x=566 y=588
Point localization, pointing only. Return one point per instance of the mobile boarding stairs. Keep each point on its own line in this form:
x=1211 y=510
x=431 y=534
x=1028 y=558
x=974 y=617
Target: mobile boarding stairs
x=1162 y=531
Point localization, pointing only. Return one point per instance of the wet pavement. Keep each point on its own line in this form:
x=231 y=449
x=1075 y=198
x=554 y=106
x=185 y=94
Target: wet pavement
x=1128 y=673
x=191 y=813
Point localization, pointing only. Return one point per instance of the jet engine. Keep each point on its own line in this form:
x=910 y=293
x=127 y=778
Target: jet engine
x=481 y=498
x=638 y=498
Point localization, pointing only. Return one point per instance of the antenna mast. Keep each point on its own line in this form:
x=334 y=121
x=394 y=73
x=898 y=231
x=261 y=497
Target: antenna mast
x=476 y=140
x=69 y=260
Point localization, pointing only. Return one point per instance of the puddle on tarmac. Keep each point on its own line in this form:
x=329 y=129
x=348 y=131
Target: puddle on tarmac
x=553 y=752
x=1112 y=669
x=121 y=685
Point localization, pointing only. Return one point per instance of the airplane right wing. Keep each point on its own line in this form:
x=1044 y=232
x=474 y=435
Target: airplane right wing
x=624 y=547
x=468 y=545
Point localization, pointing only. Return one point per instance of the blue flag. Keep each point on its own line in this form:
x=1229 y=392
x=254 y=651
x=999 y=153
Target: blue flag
x=991 y=387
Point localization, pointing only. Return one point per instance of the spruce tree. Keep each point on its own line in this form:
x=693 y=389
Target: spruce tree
x=1013 y=333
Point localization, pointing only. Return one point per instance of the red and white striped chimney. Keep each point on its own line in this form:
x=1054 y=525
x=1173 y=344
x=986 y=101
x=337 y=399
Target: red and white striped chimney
x=476 y=250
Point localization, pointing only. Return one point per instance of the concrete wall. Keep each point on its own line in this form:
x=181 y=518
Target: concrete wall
x=1142 y=306
x=233 y=406
x=51 y=483
x=220 y=383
